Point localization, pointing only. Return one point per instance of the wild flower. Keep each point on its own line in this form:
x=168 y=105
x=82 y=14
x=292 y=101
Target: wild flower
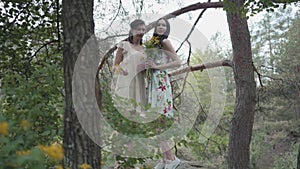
x=23 y=153
x=25 y=124
x=4 y=128
x=85 y=166
x=151 y=48
x=54 y=151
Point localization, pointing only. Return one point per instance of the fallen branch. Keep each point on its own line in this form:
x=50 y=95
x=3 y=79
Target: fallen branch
x=201 y=67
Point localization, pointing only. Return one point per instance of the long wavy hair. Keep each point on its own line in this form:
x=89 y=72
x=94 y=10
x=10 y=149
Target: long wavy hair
x=134 y=25
x=165 y=35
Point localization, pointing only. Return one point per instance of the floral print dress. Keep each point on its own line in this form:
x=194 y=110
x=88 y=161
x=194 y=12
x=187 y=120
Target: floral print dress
x=159 y=88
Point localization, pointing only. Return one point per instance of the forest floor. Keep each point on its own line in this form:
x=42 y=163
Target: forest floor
x=270 y=141
x=273 y=140
x=279 y=137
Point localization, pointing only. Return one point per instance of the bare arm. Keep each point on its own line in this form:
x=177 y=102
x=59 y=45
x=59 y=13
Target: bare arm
x=119 y=57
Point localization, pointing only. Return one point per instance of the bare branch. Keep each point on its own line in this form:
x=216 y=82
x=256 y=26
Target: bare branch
x=273 y=78
x=191 y=31
x=259 y=76
x=115 y=17
x=190 y=53
x=114 y=36
x=41 y=47
x=194 y=7
x=201 y=67
x=189 y=8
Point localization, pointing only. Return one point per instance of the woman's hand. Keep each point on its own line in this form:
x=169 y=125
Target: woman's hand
x=125 y=73
x=140 y=67
x=117 y=69
x=150 y=64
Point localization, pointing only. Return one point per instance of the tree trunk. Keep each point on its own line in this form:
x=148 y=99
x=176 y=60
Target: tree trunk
x=243 y=116
x=298 y=162
x=78 y=27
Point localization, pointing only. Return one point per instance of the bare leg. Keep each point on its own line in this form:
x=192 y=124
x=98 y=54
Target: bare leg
x=171 y=161
x=167 y=152
x=116 y=163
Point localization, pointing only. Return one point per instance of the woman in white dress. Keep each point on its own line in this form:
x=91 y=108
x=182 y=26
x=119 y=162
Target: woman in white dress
x=129 y=72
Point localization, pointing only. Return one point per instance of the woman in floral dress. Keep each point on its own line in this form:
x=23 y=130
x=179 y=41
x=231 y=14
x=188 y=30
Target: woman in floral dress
x=159 y=87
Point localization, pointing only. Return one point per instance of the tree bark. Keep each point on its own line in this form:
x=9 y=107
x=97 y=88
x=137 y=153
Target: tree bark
x=243 y=116
x=298 y=161
x=78 y=27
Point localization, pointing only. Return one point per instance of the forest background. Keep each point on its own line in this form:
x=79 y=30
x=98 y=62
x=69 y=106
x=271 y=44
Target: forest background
x=33 y=94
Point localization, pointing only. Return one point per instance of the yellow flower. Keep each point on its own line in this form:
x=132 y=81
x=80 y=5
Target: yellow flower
x=85 y=166
x=59 y=167
x=54 y=151
x=25 y=124
x=102 y=162
x=23 y=153
x=151 y=50
x=152 y=43
x=12 y=165
x=117 y=69
x=4 y=128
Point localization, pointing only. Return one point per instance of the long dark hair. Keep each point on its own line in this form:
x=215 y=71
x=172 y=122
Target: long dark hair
x=165 y=35
x=134 y=25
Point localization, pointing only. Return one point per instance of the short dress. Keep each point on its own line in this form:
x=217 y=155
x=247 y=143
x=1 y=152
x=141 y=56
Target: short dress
x=159 y=87
x=131 y=87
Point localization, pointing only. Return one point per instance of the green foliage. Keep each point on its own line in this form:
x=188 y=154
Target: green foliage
x=252 y=7
x=211 y=152
x=249 y=8
x=277 y=62
x=277 y=57
x=31 y=76
x=33 y=106
x=26 y=26
x=256 y=148
x=124 y=125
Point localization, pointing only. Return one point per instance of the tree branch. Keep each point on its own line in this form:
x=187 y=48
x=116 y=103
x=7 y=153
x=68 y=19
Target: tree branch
x=201 y=67
x=189 y=8
x=194 y=7
x=193 y=28
x=41 y=47
x=259 y=76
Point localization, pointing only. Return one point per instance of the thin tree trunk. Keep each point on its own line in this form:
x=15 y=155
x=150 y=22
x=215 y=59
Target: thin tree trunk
x=243 y=116
x=78 y=27
x=298 y=163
